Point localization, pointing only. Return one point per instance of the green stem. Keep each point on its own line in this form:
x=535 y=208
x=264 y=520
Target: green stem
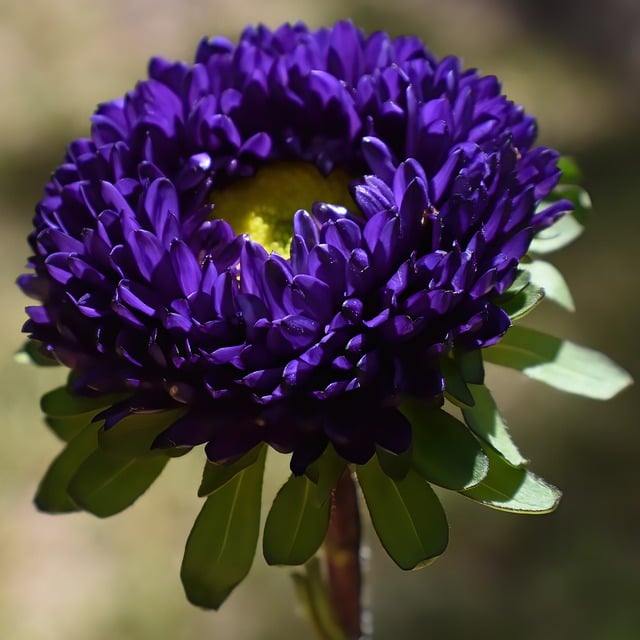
x=312 y=591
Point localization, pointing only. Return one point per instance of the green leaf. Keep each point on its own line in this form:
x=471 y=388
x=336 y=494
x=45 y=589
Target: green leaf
x=561 y=233
x=406 y=515
x=312 y=592
x=444 y=451
x=325 y=473
x=516 y=295
x=559 y=363
x=521 y=281
x=52 y=495
x=485 y=421
x=33 y=353
x=567 y=228
x=133 y=436
x=470 y=365
x=222 y=543
x=508 y=488
x=62 y=403
x=545 y=275
x=67 y=413
x=303 y=593
x=105 y=484
x=578 y=196
x=217 y=475
x=571 y=173
x=523 y=302
x=296 y=524
x=68 y=427
x=456 y=389
x=395 y=465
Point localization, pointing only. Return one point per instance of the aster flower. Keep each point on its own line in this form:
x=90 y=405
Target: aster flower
x=306 y=240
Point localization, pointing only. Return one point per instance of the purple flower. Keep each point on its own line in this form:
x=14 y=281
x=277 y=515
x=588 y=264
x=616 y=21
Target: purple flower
x=141 y=287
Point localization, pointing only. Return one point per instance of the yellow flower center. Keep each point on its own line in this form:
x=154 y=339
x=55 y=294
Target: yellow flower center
x=263 y=205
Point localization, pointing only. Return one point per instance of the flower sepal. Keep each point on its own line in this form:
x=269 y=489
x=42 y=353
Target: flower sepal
x=324 y=473
x=296 y=525
x=522 y=297
x=222 y=543
x=100 y=470
x=470 y=365
x=216 y=475
x=406 y=514
x=444 y=451
x=133 y=435
x=35 y=352
x=485 y=421
x=570 y=226
x=66 y=413
x=548 y=278
x=523 y=302
x=513 y=489
x=559 y=235
x=105 y=483
x=455 y=386
x=52 y=495
x=395 y=465
x=559 y=363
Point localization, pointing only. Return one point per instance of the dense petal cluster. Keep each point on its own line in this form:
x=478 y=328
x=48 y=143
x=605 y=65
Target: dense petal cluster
x=142 y=287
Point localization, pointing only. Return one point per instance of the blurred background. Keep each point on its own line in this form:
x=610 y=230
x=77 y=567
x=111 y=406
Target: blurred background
x=573 y=574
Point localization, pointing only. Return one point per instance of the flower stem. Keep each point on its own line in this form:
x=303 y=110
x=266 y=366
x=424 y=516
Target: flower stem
x=342 y=554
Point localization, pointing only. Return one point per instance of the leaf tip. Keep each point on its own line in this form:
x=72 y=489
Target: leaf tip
x=203 y=598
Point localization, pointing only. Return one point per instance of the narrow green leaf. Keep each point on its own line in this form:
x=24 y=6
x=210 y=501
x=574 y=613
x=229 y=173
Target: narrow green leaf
x=470 y=365
x=561 y=233
x=571 y=173
x=393 y=464
x=217 y=475
x=296 y=524
x=523 y=302
x=568 y=227
x=303 y=594
x=312 y=591
x=33 y=353
x=559 y=363
x=545 y=275
x=66 y=428
x=444 y=451
x=222 y=543
x=67 y=413
x=485 y=421
x=455 y=387
x=520 y=282
x=61 y=403
x=325 y=473
x=508 y=488
x=52 y=495
x=578 y=196
x=105 y=484
x=133 y=436
x=406 y=515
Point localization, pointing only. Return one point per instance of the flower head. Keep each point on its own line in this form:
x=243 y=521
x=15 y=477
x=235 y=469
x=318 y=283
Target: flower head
x=173 y=260
x=306 y=239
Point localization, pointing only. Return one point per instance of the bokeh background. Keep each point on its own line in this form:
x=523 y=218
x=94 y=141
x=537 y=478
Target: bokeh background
x=574 y=574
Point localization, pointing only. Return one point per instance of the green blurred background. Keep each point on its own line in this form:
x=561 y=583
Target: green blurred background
x=574 y=574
